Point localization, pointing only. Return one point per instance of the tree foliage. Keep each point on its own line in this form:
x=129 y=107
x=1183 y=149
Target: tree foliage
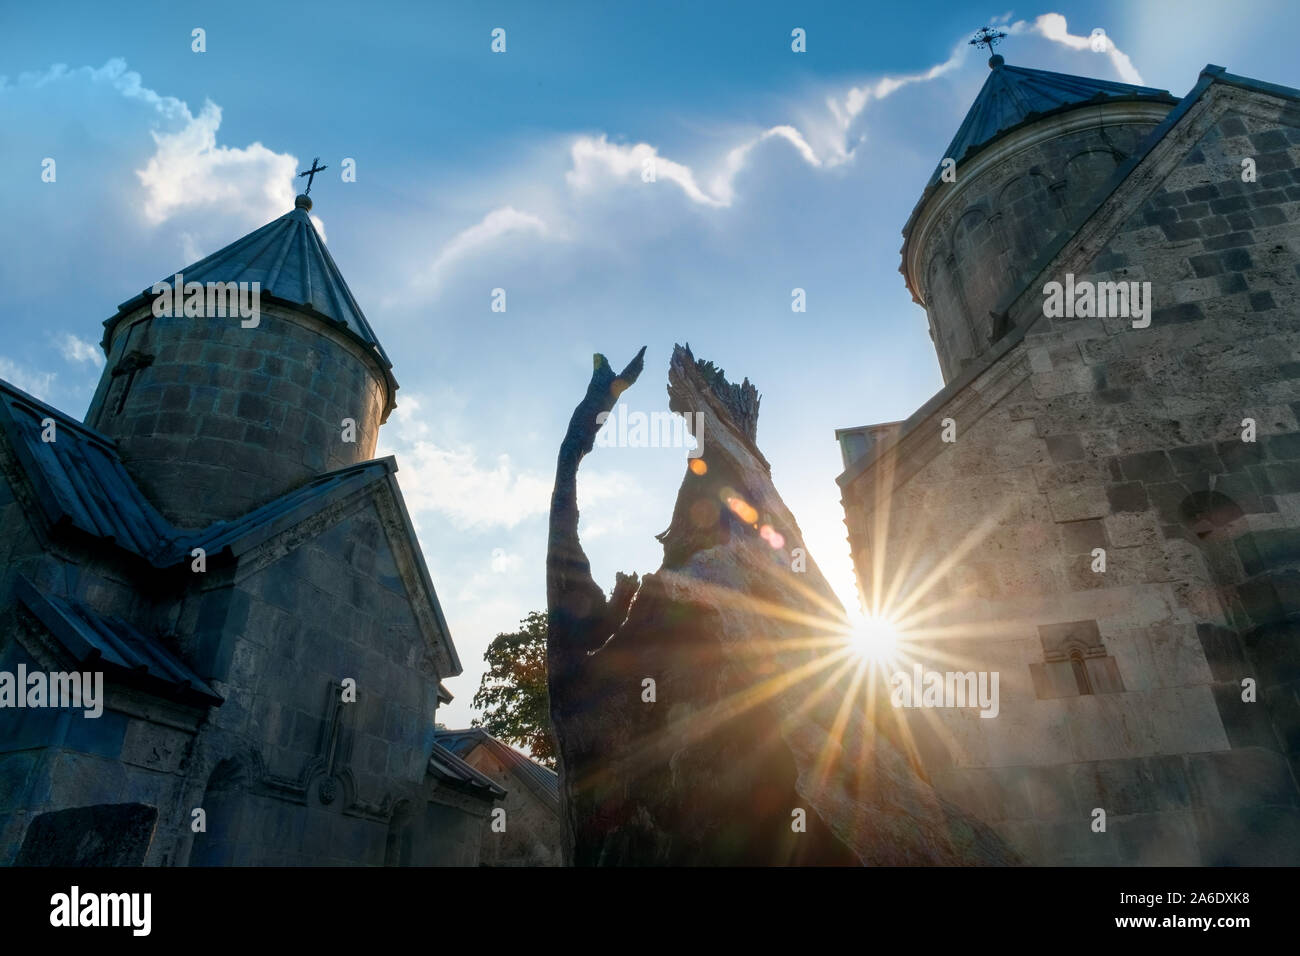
x=513 y=694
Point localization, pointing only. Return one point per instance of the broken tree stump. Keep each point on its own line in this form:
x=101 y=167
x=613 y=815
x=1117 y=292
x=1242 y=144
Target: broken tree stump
x=710 y=713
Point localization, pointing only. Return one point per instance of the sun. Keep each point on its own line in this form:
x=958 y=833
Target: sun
x=874 y=638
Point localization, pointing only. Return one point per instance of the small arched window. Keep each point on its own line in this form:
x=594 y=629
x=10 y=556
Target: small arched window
x=1080 y=672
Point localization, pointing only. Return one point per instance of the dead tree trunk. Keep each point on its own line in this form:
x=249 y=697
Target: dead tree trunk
x=699 y=714
x=578 y=611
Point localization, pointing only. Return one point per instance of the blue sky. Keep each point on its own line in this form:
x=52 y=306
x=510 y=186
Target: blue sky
x=521 y=171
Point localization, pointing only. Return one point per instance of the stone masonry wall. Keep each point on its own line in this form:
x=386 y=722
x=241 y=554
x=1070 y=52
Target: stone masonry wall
x=984 y=244
x=137 y=751
x=533 y=833
x=218 y=419
x=1122 y=689
x=278 y=642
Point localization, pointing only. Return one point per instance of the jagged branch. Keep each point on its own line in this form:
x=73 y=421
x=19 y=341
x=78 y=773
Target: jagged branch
x=576 y=602
x=740 y=400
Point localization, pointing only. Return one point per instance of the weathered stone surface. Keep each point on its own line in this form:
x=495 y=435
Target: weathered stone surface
x=1140 y=431
x=325 y=586
x=756 y=712
x=111 y=834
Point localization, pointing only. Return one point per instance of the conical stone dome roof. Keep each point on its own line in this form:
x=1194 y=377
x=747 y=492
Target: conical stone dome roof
x=290 y=262
x=1014 y=95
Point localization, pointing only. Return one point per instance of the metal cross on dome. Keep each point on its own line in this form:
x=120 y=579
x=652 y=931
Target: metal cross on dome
x=311 y=174
x=987 y=36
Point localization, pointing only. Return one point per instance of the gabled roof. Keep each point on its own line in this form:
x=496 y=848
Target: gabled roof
x=80 y=483
x=249 y=530
x=1014 y=95
x=78 y=478
x=290 y=262
x=544 y=782
x=124 y=652
x=450 y=769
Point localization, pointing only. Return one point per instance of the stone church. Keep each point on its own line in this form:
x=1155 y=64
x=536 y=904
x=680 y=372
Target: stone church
x=533 y=835
x=218 y=542
x=1103 y=506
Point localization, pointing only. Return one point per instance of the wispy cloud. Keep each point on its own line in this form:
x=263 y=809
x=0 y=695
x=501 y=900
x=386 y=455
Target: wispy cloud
x=76 y=349
x=189 y=171
x=496 y=225
x=503 y=562
x=824 y=136
x=846 y=108
x=1053 y=26
x=597 y=161
x=471 y=493
x=737 y=158
x=29 y=380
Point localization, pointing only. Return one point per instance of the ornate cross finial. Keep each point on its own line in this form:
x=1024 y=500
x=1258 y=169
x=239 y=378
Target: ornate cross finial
x=311 y=174
x=988 y=37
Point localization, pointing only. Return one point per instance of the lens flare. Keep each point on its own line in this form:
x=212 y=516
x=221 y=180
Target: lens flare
x=874 y=638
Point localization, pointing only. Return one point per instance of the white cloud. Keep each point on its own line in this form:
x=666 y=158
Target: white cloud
x=406 y=420
x=190 y=171
x=478 y=495
x=38 y=384
x=113 y=73
x=442 y=476
x=1053 y=26
x=822 y=139
x=498 y=223
x=605 y=500
x=213 y=188
x=75 y=349
x=739 y=156
x=846 y=108
x=597 y=161
x=471 y=494
x=503 y=562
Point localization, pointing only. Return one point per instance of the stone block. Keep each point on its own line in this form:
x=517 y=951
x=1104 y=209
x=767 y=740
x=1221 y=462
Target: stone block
x=1065 y=448
x=1128 y=496
x=1120 y=787
x=101 y=736
x=1195 y=458
x=1156 y=839
x=1246 y=724
x=1053 y=680
x=1236 y=455
x=155 y=747
x=104 y=835
x=1254 y=836
x=1131 y=530
x=1283 y=704
x=1177 y=314
x=1103 y=675
x=1246 y=777
x=1223 y=652
x=1081 y=537
x=17 y=771
x=1147 y=466
x=79 y=780
x=1075 y=844
x=1078 y=502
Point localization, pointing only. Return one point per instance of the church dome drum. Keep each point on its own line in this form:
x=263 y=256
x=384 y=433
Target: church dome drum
x=243 y=376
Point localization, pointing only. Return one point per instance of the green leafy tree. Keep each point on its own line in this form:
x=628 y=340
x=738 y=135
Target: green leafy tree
x=513 y=694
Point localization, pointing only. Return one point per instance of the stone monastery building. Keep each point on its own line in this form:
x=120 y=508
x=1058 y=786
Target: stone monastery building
x=218 y=541
x=1103 y=506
